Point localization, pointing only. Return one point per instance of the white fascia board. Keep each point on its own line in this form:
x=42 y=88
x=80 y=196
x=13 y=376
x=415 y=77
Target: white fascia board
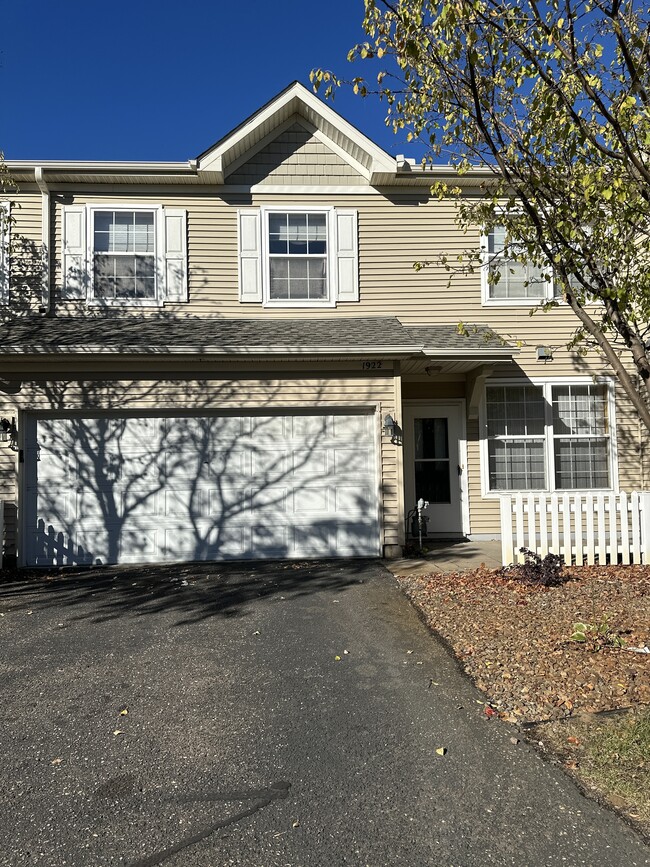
x=488 y=352
x=375 y=351
x=100 y=166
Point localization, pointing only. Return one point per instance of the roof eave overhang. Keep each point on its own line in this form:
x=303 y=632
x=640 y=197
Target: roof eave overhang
x=222 y=351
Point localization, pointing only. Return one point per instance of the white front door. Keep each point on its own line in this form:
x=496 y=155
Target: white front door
x=433 y=464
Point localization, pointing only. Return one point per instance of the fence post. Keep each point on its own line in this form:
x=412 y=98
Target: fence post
x=506 y=530
x=644 y=503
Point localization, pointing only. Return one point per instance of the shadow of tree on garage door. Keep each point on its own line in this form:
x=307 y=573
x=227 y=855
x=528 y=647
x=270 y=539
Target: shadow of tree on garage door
x=222 y=483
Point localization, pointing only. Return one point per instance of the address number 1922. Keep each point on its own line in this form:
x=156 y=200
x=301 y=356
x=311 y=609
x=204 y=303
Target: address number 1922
x=371 y=365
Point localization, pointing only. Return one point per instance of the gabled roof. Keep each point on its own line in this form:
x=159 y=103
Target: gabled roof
x=297 y=104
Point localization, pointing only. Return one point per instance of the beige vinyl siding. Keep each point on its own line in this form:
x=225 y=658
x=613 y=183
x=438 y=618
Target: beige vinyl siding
x=194 y=392
x=393 y=234
x=298 y=157
x=26 y=260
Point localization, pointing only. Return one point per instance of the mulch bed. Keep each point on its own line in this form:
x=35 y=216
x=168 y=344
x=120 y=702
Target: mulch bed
x=514 y=639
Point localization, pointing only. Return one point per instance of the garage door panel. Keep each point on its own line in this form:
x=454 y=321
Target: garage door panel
x=353 y=499
x=138 y=545
x=269 y=500
x=351 y=427
x=139 y=504
x=268 y=463
x=228 y=501
x=312 y=463
x=311 y=427
x=199 y=488
x=347 y=461
x=270 y=541
x=311 y=499
x=355 y=537
x=269 y=429
x=314 y=540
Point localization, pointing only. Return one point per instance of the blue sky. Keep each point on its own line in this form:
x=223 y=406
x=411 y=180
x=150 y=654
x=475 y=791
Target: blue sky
x=163 y=80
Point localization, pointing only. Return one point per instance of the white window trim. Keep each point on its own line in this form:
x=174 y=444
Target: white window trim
x=546 y=383
x=159 y=254
x=487 y=301
x=332 y=246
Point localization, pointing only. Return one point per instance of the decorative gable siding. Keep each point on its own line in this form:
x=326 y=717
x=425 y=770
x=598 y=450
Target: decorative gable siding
x=296 y=157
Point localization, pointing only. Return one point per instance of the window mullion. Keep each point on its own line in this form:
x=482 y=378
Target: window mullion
x=549 y=444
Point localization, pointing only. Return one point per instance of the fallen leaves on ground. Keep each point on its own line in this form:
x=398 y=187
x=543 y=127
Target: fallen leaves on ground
x=514 y=639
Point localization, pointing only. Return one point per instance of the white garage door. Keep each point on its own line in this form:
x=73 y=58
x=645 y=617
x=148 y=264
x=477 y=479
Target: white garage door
x=132 y=490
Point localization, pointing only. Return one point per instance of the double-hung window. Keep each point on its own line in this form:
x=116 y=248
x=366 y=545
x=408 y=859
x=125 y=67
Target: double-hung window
x=548 y=437
x=124 y=255
x=294 y=256
x=297 y=245
x=506 y=280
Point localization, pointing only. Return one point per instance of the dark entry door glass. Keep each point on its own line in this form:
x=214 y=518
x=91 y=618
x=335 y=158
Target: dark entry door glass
x=432 y=468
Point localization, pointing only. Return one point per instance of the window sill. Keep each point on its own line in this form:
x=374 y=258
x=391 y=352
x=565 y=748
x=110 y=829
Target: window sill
x=125 y=302
x=495 y=495
x=299 y=305
x=513 y=302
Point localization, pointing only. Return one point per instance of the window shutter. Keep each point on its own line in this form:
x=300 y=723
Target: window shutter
x=4 y=251
x=174 y=243
x=250 y=258
x=75 y=270
x=347 y=256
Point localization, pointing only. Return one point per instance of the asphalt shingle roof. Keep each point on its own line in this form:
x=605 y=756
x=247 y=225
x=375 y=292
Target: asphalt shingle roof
x=199 y=334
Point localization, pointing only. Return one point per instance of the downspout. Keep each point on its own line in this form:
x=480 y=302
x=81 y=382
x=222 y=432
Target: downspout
x=46 y=296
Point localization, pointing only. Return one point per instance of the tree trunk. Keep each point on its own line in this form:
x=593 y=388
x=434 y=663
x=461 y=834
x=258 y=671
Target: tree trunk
x=615 y=362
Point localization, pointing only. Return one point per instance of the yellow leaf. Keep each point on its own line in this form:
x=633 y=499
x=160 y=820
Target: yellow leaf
x=337 y=658
x=124 y=712
x=56 y=761
x=117 y=732
x=441 y=751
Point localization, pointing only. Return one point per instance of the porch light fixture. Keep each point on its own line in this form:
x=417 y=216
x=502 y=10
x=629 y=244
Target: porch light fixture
x=391 y=429
x=7 y=430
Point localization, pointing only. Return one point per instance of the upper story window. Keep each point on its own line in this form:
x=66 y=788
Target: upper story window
x=122 y=255
x=553 y=437
x=297 y=251
x=506 y=280
x=291 y=256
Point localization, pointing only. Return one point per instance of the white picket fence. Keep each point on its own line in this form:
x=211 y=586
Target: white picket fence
x=581 y=528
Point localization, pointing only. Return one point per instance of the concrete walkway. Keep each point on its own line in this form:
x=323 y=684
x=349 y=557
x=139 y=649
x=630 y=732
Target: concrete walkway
x=449 y=557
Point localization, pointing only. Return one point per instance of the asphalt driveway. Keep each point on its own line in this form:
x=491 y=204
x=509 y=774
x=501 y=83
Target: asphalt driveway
x=276 y=714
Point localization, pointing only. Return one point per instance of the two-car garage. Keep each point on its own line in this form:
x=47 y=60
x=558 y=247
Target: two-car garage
x=152 y=488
